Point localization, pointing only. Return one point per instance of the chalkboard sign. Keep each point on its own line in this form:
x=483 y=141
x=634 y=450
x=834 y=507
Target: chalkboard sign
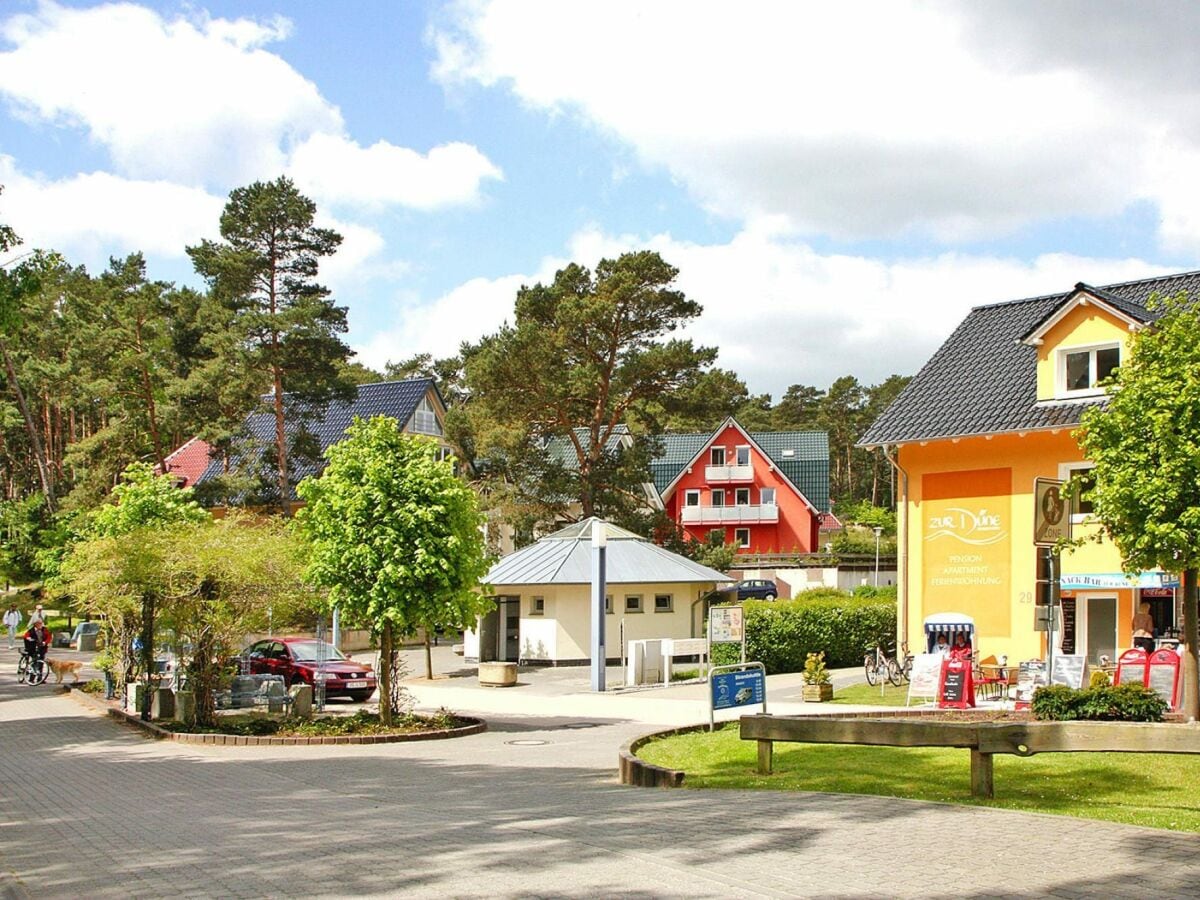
x=1164 y=675
x=956 y=690
x=1031 y=675
x=1131 y=666
x=1068 y=625
x=1068 y=670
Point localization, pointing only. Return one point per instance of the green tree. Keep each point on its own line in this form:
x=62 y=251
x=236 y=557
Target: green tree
x=397 y=539
x=282 y=330
x=585 y=353
x=1145 y=443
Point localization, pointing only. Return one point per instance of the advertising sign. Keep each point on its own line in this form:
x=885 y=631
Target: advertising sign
x=1068 y=670
x=925 y=676
x=956 y=690
x=1031 y=675
x=725 y=624
x=1164 y=675
x=738 y=688
x=1051 y=512
x=966 y=546
x=1132 y=667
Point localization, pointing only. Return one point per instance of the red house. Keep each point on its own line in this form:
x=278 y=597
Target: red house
x=766 y=491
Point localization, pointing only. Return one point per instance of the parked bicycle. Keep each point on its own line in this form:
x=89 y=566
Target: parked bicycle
x=879 y=665
x=31 y=669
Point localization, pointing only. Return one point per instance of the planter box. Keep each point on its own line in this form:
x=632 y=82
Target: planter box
x=497 y=674
x=817 y=693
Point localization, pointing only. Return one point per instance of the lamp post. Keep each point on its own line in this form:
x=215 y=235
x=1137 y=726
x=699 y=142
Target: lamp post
x=878 y=532
x=599 y=655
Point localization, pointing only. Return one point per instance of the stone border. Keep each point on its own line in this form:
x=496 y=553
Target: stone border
x=476 y=726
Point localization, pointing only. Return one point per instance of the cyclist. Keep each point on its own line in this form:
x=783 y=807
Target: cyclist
x=37 y=640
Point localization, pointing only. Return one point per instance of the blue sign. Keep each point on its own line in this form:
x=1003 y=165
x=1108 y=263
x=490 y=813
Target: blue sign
x=738 y=688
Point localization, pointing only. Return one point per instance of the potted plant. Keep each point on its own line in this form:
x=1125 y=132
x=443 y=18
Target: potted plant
x=818 y=686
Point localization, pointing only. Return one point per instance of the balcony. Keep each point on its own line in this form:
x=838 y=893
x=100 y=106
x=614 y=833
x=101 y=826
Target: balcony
x=730 y=515
x=728 y=473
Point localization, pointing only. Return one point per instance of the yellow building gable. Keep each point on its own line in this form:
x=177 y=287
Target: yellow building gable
x=1085 y=326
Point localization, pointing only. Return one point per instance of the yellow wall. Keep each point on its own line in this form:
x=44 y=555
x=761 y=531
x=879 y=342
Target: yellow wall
x=1083 y=326
x=1003 y=559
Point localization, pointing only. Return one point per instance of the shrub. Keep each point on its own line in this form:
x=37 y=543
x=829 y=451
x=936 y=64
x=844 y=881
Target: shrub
x=815 y=670
x=782 y=633
x=1099 y=679
x=1122 y=703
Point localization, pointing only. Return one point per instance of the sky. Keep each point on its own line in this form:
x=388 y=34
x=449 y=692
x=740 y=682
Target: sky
x=838 y=184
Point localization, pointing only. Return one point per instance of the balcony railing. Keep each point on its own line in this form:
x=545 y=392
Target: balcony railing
x=730 y=515
x=728 y=473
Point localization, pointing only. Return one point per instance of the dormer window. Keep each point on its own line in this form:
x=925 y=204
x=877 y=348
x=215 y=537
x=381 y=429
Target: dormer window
x=424 y=420
x=1081 y=369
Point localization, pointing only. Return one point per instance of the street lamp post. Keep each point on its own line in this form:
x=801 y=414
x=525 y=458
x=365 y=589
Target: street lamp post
x=878 y=532
x=599 y=653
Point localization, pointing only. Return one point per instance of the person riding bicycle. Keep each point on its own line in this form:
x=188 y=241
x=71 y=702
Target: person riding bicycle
x=37 y=640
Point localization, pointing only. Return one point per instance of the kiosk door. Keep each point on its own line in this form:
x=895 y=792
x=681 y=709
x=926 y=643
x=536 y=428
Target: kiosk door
x=1101 y=628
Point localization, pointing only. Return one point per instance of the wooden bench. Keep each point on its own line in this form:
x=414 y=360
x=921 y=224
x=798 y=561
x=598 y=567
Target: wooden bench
x=983 y=739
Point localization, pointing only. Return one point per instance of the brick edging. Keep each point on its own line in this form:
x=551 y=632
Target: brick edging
x=476 y=726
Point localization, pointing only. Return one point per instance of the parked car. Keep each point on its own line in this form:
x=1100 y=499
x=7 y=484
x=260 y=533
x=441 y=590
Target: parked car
x=756 y=589
x=308 y=661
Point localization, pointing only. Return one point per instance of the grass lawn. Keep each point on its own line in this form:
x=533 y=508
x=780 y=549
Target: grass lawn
x=865 y=695
x=1159 y=791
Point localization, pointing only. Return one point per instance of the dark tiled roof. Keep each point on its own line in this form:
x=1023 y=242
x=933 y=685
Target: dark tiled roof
x=983 y=381
x=398 y=399
x=807 y=466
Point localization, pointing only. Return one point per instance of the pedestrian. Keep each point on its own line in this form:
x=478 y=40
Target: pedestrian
x=12 y=621
x=38 y=614
x=37 y=639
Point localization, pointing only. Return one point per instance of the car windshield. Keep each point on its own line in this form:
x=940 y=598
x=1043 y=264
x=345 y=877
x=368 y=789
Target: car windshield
x=312 y=651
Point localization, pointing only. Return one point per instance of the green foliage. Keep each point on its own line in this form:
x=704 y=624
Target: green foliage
x=861 y=541
x=780 y=634
x=1099 y=679
x=866 y=514
x=815 y=670
x=145 y=500
x=1119 y=703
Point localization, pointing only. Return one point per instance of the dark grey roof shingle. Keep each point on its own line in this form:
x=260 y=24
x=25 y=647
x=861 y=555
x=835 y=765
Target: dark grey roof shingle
x=982 y=380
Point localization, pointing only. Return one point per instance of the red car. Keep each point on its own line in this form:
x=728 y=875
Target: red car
x=308 y=661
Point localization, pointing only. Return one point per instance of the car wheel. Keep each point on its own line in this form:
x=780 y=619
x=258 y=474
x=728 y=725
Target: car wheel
x=361 y=696
x=769 y=597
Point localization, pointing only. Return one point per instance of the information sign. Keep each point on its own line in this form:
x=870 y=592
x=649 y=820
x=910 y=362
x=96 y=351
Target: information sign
x=725 y=624
x=925 y=676
x=1067 y=605
x=1163 y=679
x=1031 y=675
x=1132 y=667
x=1051 y=523
x=956 y=690
x=738 y=688
x=1068 y=670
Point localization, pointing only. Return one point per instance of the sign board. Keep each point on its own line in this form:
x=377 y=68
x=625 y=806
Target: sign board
x=725 y=624
x=1051 y=512
x=743 y=688
x=1031 y=675
x=1068 y=670
x=925 y=676
x=1068 y=608
x=1041 y=618
x=1163 y=676
x=1132 y=667
x=956 y=690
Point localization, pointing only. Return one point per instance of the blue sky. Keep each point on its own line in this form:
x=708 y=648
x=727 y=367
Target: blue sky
x=837 y=185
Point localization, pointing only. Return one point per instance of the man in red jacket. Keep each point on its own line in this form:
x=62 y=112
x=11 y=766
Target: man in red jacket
x=37 y=639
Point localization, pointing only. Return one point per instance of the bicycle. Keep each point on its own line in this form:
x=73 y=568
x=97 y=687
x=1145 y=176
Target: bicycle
x=879 y=665
x=31 y=670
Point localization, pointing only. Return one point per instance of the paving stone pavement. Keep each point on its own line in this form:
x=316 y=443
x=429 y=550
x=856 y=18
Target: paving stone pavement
x=90 y=808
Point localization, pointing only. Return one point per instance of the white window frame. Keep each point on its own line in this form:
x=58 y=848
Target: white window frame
x=738 y=494
x=1090 y=349
x=670 y=606
x=424 y=418
x=691 y=498
x=537 y=606
x=1065 y=471
x=743 y=544
x=764 y=493
x=718 y=492
x=637 y=604
x=737 y=455
x=712 y=456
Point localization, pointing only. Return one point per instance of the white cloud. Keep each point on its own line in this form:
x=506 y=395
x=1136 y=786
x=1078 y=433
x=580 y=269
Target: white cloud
x=336 y=170
x=780 y=312
x=860 y=119
x=93 y=215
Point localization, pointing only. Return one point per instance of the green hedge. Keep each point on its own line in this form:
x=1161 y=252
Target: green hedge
x=1124 y=703
x=781 y=633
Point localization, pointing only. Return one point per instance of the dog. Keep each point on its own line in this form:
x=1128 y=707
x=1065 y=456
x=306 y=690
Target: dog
x=61 y=667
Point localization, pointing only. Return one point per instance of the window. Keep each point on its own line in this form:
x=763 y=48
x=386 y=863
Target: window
x=633 y=603
x=424 y=420
x=664 y=603
x=743 y=456
x=1081 y=501
x=766 y=496
x=537 y=606
x=741 y=497
x=717 y=456
x=718 y=497
x=691 y=498
x=608 y=603
x=1082 y=369
x=741 y=537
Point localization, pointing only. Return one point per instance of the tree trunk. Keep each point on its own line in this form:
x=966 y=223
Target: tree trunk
x=39 y=455
x=428 y=656
x=385 y=674
x=1191 y=650
x=285 y=502
x=147 y=652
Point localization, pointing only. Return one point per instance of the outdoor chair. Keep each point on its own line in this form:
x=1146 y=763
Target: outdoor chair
x=990 y=679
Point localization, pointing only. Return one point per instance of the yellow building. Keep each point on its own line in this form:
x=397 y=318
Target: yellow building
x=994 y=409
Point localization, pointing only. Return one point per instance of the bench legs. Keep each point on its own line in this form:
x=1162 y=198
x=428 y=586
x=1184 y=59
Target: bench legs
x=766 y=757
x=981 y=775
